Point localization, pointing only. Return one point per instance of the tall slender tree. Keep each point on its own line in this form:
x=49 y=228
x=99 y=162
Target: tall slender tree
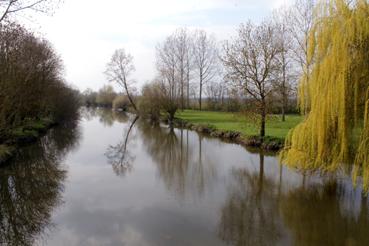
x=182 y=50
x=287 y=76
x=301 y=21
x=205 y=59
x=167 y=80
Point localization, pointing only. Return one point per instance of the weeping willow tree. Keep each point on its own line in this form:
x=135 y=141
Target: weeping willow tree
x=335 y=94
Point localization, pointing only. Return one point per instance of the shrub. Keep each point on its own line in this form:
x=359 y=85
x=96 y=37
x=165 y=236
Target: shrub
x=121 y=102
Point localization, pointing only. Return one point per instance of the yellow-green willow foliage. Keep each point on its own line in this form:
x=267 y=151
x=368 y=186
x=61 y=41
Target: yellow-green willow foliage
x=362 y=156
x=335 y=93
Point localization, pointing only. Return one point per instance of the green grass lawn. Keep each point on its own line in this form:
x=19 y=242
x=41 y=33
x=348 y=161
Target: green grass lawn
x=237 y=122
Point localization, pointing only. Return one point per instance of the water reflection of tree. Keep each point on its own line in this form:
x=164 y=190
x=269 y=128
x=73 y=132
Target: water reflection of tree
x=88 y=113
x=119 y=156
x=203 y=169
x=316 y=215
x=107 y=116
x=169 y=153
x=31 y=186
x=250 y=214
x=181 y=167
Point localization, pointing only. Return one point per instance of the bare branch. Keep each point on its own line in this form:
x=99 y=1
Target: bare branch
x=10 y=7
x=119 y=69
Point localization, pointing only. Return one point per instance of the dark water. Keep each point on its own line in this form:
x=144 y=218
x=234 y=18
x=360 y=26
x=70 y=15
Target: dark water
x=91 y=185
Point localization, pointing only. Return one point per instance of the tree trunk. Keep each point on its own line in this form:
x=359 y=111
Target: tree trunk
x=200 y=95
x=182 y=97
x=129 y=97
x=182 y=88
x=171 y=113
x=284 y=89
x=263 y=119
x=124 y=149
x=188 y=88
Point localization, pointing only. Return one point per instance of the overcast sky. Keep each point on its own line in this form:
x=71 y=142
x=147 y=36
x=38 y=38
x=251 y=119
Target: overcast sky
x=85 y=32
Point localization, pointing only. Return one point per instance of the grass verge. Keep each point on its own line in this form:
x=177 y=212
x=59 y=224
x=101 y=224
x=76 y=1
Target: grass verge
x=236 y=127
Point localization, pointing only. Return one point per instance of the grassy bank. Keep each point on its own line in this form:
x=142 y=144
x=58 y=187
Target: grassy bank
x=236 y=126
x=29 y=132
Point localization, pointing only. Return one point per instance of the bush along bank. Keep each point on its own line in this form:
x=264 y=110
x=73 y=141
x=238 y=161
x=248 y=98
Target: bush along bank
x=269 y=144
x=34 y=93
x=28 y=133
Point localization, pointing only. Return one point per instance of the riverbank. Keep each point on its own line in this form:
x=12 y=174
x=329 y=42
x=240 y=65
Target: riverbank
x=29 y=132
x=235 y=128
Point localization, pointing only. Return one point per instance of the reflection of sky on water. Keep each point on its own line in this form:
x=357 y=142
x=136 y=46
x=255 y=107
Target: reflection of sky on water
x=184 y=189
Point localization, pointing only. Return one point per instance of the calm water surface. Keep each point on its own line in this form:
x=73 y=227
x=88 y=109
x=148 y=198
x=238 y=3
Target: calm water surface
x=108 y=181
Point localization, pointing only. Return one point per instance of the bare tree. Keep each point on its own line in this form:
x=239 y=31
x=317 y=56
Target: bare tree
x=175 y=64
x=10 y=7
x=119 y=70
x=216 y=92
x=205 y=59
x=170 y=86
x=182 y=51
x=251 y=61
x=31 y=81
x=285 y=57
x=301 y=19
x=189 y=63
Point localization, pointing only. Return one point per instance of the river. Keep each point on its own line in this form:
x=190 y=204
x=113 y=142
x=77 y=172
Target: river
x=111 y=180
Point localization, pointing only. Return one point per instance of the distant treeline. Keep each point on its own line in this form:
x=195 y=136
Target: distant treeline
x=32 y=86
x=107 y=97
